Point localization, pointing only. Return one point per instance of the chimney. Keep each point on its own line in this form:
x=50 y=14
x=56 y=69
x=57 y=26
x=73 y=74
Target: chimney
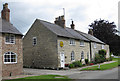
x=5 y=13
x=90 y=31
x=72 y=25
x=60 y=21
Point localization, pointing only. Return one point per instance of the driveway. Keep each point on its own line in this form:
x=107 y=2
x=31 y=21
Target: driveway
x=76 y=74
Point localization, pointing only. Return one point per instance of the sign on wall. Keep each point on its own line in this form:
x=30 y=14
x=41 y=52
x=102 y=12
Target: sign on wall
x=61 y=44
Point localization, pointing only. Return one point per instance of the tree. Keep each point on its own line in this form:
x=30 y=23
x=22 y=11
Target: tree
x=106 y=32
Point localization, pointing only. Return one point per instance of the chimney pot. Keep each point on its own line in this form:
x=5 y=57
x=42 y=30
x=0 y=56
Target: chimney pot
x=90 y=31
x=60 y=21
x=5 y=13
x=72 y=25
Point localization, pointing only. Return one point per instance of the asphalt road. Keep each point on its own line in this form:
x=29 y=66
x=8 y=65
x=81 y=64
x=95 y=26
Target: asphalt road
x=76 y=74
x=108 y=74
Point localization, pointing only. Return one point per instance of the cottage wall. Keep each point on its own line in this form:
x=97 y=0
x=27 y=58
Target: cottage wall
x=67 y=49
x=16 y=68
x=44 y=54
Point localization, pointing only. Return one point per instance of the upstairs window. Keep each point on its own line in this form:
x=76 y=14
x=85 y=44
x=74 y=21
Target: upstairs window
x=10 y=57
x=82 y=55
x=102 y=46
x=10 y=39
x=34 y=41
x=72 y=42
x=81 y=43
x=95 y=46
x=72 y=56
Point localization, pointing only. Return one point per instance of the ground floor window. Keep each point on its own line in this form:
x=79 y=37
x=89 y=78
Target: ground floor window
x=82 y=55
x=72 y=56
x=10 y=57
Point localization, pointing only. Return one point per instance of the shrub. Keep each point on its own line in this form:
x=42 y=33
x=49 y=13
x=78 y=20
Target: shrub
x=71 y=66
x=97 y=58
x=77 y=64
x=102 y=52
x=86 y=61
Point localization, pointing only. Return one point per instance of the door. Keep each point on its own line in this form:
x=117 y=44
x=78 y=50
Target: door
x=62 y=59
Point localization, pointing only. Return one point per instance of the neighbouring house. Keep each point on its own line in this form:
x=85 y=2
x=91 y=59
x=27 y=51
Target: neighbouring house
x=11 y=56
x=49 y=45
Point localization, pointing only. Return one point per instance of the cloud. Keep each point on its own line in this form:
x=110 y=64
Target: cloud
x=83 y=12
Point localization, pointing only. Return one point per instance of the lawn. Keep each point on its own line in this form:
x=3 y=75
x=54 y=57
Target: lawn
x=104 y=66
x=43 y=78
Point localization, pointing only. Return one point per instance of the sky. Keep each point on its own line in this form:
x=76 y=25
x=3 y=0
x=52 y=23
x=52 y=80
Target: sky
x=83 y=12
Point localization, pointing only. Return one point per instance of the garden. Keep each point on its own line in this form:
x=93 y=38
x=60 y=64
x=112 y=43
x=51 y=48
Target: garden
x=99 y=58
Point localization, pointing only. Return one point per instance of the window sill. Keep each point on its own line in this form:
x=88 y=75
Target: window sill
x=82 y=45
x=11 y=63
x=72 y=44
x=9 y=43
x=73 y=60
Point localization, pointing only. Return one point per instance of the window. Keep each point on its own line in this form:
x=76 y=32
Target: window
x=88 y=55
x=95 y=45
x=34 y=40
x=72 y=42
x=81 y=43
x=10 y=39
x=82 y=55
x=102 y=46
x=72 y=56
x=10 y=57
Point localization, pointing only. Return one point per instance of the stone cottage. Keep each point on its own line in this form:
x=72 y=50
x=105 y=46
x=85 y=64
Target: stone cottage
x=11 y=56
x=49 y=45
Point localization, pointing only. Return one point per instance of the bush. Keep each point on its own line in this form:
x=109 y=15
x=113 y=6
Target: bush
x=97 y=58
x=77 y=64
x=86 y=61
x=71 y=66
x=102 y=52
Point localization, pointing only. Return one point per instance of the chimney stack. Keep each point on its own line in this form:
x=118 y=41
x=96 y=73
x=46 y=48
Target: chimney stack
x=5 y=13
x=72 y=25
x=90 y=31
x=60 y=21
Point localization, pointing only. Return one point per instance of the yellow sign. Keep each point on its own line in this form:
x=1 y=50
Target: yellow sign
x=61 y=43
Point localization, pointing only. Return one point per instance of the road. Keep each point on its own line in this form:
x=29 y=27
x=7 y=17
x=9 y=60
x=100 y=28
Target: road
x=76 y=74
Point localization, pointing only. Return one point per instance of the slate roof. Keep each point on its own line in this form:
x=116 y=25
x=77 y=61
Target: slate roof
x=7 y=27
x=68 y=32
x=90 y=37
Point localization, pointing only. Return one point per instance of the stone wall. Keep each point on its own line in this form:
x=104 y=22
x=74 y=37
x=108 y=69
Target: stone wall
x=44 y=54
x=67 y=49
x=17 y=68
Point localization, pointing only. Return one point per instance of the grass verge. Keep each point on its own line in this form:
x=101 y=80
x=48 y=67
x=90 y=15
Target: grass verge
x=103 y=67
x=43 y=78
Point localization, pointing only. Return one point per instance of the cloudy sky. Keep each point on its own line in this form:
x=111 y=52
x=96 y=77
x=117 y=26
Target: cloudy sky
x=83 y=12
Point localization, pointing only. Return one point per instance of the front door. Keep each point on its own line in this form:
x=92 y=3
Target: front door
x=62 y=59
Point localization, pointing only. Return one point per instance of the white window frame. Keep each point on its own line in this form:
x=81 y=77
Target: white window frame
x=10 y=54
x=82 y=55
x=33 y=42
x=82 y=43
x=102 y=46
x=10 y=39
x=72 y=41
x=72 y=56
x=95 y=45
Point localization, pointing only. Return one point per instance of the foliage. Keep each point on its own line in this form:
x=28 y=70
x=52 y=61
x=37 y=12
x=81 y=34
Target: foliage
x=106 y=32
x=97 y=58
x=77 y=64
x=71 y=65
x=86 y=61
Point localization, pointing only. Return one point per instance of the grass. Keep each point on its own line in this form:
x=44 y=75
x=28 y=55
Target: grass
x=104 y=66
x=43 y=78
